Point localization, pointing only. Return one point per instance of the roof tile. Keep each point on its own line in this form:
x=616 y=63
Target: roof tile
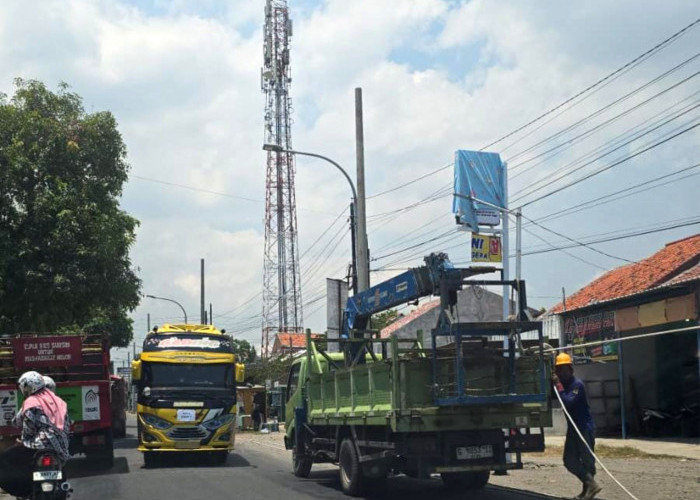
x=666 y=267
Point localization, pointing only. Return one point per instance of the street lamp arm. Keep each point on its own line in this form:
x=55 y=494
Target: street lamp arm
x=347 y=177
x=274 y=148
x=184 y=313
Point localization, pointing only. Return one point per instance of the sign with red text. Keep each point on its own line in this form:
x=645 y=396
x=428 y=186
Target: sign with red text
x=35 y=352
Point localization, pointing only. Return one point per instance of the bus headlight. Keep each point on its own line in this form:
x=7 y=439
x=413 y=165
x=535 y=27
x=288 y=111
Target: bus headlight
x=217 y=422
x=156 y=422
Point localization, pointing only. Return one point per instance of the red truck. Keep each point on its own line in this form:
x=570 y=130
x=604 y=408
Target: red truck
x=80 y=366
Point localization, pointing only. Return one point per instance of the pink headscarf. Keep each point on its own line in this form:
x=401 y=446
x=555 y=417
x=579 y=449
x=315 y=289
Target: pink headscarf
x=52 y=406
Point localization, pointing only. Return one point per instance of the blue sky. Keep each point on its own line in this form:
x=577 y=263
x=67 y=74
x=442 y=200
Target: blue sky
x=182 y=79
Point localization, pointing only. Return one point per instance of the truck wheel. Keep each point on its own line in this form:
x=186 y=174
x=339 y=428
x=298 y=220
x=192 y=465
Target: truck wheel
x=465 y=480
x=149 y=459
x=351 y=478
x=104 y=455
x=220 y=457
x=300 y=463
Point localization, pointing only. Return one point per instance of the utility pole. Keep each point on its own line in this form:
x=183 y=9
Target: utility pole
x=148 y=321
x=361 y=236
x=211 y=315
x=202 y=308
x=505 y=247
x=353 y=238
x=518 y=254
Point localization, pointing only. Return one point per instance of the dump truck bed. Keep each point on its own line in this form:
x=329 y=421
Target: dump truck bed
x=400 y=392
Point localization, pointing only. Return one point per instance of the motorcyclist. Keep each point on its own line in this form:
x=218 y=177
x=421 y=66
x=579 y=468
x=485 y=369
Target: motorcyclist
x=43 y=419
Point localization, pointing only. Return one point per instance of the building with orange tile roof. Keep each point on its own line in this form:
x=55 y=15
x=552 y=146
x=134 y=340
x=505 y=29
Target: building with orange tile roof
x=656 y=294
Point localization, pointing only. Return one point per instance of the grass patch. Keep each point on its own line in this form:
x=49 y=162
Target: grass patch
x=604 y=451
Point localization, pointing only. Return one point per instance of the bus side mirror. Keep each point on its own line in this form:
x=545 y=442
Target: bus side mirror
x=240 y=373
x=136 y=371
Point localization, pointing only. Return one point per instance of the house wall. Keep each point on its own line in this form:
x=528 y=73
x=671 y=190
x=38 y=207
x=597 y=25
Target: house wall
x=473 y=304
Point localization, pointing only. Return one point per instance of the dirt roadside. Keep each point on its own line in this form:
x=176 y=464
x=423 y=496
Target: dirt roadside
x=647 y=478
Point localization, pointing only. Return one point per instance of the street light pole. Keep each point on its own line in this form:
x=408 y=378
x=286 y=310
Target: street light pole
x=358 y=223
x=184 y=313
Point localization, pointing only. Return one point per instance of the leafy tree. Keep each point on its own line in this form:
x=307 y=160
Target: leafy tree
x=269 y=369
x=384 y=318
x=245 y=353
x=64 y=241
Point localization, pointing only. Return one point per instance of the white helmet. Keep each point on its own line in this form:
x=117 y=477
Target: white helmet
x=49 y=383
x=31 y=382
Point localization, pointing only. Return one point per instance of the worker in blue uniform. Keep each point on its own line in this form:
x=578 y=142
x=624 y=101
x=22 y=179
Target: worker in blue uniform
x=577 y=459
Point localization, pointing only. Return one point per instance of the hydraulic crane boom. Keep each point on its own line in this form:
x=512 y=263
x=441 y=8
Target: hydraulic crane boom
x=411 y=285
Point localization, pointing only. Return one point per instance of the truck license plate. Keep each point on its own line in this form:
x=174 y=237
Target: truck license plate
x=186 y=416
x=186 y=445
x=472 y=452
x=48 y=475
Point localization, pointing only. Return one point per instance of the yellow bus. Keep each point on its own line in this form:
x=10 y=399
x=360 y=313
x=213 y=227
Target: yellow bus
x=186 y=380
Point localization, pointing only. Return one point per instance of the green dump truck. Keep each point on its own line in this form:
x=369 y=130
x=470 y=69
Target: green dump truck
x=468 y=404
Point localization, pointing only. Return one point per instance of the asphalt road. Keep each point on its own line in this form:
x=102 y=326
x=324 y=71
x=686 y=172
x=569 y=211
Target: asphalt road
x=256 y=470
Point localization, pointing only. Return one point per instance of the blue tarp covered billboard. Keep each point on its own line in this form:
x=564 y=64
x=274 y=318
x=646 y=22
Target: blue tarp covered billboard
x=479 y=175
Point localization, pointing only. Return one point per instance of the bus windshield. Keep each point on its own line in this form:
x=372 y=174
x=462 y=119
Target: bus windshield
x=166 y=375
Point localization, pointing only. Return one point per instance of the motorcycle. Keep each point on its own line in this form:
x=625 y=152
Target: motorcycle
x=48 y=477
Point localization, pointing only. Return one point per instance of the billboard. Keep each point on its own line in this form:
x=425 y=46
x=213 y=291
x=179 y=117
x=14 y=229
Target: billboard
x=486 y=248
x=36 y=352
x=479 y=175
x=591 y=328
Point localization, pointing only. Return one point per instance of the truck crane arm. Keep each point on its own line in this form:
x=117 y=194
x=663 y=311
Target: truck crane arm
x=411 y=285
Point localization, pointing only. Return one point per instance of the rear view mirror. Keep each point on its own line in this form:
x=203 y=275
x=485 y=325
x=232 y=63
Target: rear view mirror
x=240 y=373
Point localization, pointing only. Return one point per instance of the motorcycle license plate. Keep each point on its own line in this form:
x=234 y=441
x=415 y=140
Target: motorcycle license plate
x=474 y=452
x=48 y=475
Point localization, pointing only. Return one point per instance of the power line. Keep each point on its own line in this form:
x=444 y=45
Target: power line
x=630 y=64
x=605 y=108
x=613 y=196
x=603 y=169
x=400 y=186
x=616 y=238
x=565 y=251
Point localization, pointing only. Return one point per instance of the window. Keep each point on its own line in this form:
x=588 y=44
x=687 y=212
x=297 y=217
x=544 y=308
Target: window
x=293 y=381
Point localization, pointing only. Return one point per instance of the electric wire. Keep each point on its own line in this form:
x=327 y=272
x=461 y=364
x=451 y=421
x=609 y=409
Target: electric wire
x=637 y=60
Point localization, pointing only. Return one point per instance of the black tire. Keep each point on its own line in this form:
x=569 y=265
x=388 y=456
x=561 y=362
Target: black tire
x=103 y=456
x=149 y=459
x=351 y=478
x=465 y=480
x=220 y=457
x=301 y=464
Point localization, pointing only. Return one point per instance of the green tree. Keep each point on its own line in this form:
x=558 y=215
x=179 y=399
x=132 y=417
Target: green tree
x=274 y=369
x=245 y=353
x=384 y=318
x=64 y=241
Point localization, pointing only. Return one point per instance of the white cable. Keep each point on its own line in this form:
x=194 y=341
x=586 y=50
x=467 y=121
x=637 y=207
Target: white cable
x=571 y=421
x=632 y=337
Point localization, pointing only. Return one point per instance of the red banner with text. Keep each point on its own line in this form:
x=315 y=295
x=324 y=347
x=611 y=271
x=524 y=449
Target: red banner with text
x=35 y=352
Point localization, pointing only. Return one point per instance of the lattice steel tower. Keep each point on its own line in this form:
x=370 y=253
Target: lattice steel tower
x=281 y=282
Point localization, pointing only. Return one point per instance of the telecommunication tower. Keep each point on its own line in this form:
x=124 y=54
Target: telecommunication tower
x=282 y=308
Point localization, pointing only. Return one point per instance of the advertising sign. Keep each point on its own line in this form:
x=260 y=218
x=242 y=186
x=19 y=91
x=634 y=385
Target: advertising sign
x=478 y=175
x=8 y=407
x=486 y=248
x=591 y=328
x=83 y=403
x=35 y=352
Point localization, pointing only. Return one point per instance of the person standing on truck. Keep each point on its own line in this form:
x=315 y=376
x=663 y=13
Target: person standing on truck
x=577 y=459
x=43 y=419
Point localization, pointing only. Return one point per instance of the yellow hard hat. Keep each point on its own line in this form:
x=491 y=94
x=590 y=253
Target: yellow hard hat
x=563 y=359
